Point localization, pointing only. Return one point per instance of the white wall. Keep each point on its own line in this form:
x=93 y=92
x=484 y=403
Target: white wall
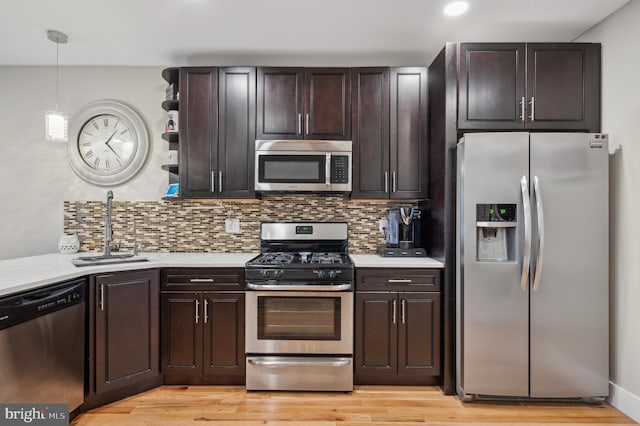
x=34 y=174
x=619 y=35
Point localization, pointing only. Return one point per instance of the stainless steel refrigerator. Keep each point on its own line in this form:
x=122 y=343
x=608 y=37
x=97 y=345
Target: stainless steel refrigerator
x=532 y=279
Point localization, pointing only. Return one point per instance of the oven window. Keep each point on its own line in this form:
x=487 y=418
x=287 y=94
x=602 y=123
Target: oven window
x=291 y=168
x=299 y=318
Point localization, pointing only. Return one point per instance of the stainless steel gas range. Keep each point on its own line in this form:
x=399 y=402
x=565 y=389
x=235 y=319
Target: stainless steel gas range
x=299 y=309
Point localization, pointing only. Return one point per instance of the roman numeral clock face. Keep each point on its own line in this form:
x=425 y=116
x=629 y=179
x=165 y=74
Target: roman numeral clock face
x=110 y=143
x=106 y=143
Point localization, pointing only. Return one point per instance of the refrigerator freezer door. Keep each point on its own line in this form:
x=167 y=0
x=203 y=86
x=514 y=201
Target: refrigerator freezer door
x=569 y=309
x=493 y=315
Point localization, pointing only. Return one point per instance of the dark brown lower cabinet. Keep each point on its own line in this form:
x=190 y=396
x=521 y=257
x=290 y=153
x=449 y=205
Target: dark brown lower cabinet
x=202 y=331
x=397 y=334
x=123 y=335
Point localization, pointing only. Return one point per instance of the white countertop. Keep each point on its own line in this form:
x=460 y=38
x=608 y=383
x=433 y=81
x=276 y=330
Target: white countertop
x=27 y=273
x=377 y=261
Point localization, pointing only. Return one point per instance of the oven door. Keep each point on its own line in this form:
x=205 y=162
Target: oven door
x=299 y=322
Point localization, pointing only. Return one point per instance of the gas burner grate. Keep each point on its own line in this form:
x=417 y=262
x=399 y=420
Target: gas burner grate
x=326 y=258
x=278 y=258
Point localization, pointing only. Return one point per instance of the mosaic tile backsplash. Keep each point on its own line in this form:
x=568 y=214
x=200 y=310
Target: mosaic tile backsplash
x=199 y=225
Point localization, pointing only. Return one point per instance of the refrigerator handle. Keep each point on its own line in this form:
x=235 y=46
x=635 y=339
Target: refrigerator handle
x=526 y=206
x=540 y=215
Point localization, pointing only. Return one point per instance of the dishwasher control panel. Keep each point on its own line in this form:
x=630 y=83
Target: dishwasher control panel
x=22 y=307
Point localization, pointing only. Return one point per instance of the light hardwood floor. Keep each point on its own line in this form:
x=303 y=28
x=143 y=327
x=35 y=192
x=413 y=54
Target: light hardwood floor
x=367 y=405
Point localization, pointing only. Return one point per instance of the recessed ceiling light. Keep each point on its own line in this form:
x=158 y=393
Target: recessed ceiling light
x=456 y=8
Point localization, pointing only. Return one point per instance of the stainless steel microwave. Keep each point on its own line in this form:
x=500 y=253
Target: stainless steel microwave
x=303 y=166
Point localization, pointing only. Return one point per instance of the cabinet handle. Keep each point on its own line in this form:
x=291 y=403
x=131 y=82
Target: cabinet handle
x=206 y=316
x=393 y=314
x=102 y=297
x=213 y=181
x=220 y=181
x=299 y=123
x=386 y=181
x=522 y=108
x=398 y=280
x=201 y=280
x=402 y=311
x=393 y=181
x=306 y=124
x=197 y=309
x=533 y=109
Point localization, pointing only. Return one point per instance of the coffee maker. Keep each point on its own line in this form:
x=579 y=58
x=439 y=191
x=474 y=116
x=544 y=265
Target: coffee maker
x=403 y=233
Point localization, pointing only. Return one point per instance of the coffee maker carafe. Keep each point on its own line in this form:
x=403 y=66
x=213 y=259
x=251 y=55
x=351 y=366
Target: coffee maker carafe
x=406 y=227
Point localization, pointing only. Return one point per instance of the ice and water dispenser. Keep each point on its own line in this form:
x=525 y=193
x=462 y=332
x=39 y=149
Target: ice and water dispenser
x=496 y=232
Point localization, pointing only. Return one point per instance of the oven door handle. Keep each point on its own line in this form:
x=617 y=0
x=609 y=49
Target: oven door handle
x=293 y=287
x=340 y=362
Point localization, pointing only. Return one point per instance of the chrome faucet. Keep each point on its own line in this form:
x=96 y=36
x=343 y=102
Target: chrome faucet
x=108 y=231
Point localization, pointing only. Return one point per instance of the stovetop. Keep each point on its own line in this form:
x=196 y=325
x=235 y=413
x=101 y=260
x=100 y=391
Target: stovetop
x=295 y=251
x=301 y=259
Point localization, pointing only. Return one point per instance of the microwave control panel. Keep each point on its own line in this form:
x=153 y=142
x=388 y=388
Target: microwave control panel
x=339 y=169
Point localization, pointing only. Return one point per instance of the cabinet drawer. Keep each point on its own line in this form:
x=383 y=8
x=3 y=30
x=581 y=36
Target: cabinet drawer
x=181 y=279
x=381 y=279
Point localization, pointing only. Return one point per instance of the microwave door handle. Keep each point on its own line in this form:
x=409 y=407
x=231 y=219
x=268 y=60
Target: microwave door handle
x=327 y=170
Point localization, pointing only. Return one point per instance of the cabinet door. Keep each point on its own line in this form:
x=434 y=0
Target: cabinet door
x=181 y=341
x=563 y=80
x=370 y=112
x=280 y=103
x=408 y=133
x=198 y=132
x=237 y=129
x=223 y=333
x=419 y=334
x=327 y=103
x=127 y=331
x=491 y=83
x=376 y=334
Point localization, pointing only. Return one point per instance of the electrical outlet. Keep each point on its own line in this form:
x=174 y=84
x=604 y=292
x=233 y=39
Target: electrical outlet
x=383 y=224
x=232 y=225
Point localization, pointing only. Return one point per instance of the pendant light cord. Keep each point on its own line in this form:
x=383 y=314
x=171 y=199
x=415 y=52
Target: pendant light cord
x=57 y=77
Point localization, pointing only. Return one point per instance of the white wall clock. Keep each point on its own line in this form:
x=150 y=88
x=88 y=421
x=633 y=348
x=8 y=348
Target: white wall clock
x=109 y=143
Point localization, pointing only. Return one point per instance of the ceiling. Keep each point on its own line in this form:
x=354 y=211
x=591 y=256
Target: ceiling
x=276 y=32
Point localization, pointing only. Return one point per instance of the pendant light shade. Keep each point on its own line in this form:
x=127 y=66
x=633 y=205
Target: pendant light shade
x=56 y=126
x=56 y=123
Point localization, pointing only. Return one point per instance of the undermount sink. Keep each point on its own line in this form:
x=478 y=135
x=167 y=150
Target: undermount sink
x=107 y=260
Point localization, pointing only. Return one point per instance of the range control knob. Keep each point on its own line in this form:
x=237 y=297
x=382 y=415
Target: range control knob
x=320 y=273
x=277 y=273
x=332 y=274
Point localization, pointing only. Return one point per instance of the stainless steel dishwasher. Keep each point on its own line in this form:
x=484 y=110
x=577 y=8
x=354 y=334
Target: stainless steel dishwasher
x=42 y=349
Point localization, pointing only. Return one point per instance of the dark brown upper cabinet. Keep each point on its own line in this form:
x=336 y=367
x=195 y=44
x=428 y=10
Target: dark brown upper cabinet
x=408 y=161
x=543 y=86
x=236 y=132
x=370 y=112
x=217 y=117
x=389 y=115
x=299 y=103
x=198 y=132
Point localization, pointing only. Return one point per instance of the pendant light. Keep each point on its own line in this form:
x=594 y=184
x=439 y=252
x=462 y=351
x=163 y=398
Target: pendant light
x=56 y=122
